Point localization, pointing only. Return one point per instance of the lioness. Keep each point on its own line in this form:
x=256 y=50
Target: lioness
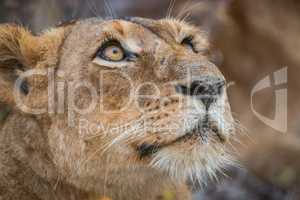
x=118 y=108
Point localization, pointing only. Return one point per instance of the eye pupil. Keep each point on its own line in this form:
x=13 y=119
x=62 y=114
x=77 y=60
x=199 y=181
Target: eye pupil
x=112 y=51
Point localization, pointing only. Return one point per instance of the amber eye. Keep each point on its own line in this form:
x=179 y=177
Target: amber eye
x=112 y=51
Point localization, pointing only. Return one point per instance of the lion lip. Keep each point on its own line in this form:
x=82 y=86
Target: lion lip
x=148 y=149
x=201 y=132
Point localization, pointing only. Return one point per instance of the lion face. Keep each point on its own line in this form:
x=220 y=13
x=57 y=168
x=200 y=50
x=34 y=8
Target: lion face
x=137 y=93
x=159 y=102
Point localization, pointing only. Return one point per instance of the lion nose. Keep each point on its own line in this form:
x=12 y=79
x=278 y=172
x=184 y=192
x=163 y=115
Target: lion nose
x=208 y=89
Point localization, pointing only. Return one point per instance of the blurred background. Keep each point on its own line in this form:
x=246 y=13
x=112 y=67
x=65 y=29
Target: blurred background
x=252 y=39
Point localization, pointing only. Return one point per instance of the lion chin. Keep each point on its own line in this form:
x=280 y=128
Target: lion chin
x=191 y=165
x=195 y=156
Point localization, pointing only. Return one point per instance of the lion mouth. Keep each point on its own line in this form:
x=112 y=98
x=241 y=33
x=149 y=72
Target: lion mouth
x=202 y=131
x=146 y=149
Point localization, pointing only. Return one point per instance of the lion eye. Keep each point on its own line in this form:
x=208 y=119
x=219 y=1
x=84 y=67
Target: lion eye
x=112 y=52
x=188 y=43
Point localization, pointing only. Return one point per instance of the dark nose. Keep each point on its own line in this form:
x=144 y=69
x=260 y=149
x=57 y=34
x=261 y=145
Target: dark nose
x=208 y=89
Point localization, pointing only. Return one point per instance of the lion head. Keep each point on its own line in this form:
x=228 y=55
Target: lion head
x=120 y=94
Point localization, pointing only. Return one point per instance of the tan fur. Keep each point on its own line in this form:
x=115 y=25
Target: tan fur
x=44 y=156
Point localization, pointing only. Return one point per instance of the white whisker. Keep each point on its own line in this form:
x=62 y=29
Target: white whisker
x=110 y=9
x=170 y=8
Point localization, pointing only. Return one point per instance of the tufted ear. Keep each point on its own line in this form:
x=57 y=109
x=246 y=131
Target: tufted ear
x=21 y=51
x=18 y=51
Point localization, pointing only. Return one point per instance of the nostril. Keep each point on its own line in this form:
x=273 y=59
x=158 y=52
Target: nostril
x=182 y=89
x=207 y=89
x=198 y=88
x=207 y=86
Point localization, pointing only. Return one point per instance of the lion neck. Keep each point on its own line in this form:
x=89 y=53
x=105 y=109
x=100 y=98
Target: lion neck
x=26 y=167
x=26 y=162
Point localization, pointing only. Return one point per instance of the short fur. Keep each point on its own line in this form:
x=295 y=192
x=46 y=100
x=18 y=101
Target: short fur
x=44 y=156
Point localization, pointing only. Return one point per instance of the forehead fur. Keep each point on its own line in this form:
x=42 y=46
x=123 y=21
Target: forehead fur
x=169 y=27
x=165 y=28
x=89 y=34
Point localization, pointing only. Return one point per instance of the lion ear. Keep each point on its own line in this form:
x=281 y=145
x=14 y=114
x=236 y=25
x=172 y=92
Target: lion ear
x=19 y=51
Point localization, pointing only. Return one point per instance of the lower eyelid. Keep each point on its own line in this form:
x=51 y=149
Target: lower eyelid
x=101 y=62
